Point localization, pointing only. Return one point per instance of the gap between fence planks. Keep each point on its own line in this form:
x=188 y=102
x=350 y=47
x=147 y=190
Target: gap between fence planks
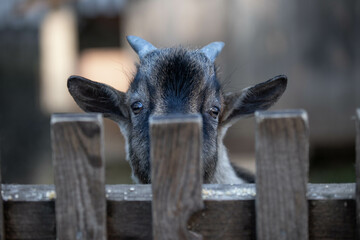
x=78 y=157
x=176 y=174
x=282 y=150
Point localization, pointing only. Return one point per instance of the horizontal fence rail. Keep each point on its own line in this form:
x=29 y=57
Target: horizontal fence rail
x=281 y=205
x=229 y=211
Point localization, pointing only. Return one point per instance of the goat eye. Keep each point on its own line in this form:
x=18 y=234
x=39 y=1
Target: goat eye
x=137 y=107
x=214 y=111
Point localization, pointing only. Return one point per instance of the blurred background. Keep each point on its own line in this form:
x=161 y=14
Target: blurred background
x=42 y=42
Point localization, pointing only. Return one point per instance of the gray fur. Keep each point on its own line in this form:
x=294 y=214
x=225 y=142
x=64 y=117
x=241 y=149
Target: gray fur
x=177 y=80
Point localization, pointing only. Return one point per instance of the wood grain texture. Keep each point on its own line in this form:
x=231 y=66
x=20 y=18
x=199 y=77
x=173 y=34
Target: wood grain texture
x=2 y=232
x=324 y=225
x=229 y=212
x=227 y=219
x=282 y=151
x=30 y=219
x=176 y=174
x=210 y=192
x=357 y=169
x=77 y=144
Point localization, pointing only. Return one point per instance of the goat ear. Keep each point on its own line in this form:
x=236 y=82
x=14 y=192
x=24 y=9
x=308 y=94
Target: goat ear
x=97 y=97
x=258 y=97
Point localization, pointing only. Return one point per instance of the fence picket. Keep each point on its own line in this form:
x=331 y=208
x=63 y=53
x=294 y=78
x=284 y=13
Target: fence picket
x=162 y=210
x=176 y=174
x=357 y=169
x=77 y=144
x=2 y=231
x=282 y=174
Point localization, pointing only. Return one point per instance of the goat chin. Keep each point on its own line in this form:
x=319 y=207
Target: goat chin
x=225 y=173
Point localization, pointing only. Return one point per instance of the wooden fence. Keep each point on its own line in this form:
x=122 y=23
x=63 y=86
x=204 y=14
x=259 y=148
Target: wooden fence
x=282 y=205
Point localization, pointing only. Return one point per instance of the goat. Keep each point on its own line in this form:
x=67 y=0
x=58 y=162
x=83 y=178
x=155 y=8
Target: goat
x=177 y=80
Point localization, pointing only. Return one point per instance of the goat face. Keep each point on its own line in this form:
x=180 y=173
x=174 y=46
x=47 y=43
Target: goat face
x=173 y=80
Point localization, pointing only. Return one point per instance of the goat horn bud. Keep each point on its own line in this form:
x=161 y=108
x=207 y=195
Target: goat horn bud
x=212 y=50
x=140 y=46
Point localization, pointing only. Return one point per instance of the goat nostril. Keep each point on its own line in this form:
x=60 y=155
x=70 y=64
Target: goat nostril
x=214 y=111
x=137 y=107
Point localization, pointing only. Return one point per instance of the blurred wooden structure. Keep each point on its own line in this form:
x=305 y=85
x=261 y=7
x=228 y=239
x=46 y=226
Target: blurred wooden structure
x=282 y=205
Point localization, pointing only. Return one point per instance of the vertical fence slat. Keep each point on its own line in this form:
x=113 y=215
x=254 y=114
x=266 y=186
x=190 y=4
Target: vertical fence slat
x=357 y=169
x=2 y=230
x=282 y=161
x=176 y=174
x=77 y=144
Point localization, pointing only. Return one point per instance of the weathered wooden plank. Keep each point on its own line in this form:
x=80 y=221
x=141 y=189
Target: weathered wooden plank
x=77 y=144
x=357 y=169
x=142 y=192
x=282 y=150
x=30 y=212
x=30 y=219
x=330 y=219
x=228 y=219
x=2 y=232
x=176 y=174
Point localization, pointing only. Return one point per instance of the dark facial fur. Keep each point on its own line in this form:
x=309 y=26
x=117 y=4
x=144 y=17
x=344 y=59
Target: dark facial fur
x=174 y=80
x=170 y=81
